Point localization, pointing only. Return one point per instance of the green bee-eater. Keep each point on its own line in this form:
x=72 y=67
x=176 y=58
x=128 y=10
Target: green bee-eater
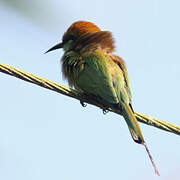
x=90 y=66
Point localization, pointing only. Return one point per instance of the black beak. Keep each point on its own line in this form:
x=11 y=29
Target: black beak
x=57 y=46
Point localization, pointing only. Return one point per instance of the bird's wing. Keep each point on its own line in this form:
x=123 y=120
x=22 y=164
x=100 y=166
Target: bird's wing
x=122 y=87
x=119 y=61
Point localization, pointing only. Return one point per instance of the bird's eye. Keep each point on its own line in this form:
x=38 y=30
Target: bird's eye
x=70 y=37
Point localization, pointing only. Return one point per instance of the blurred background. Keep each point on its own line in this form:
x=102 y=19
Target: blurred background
x=45 y=135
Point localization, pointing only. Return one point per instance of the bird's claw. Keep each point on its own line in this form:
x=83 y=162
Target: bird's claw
x=105 y=111
x=83 y=104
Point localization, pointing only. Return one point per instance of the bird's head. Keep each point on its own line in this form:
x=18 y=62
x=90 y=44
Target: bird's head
x=74 y=33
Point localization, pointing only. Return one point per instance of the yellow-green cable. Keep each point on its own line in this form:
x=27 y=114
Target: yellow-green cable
x=79 y=96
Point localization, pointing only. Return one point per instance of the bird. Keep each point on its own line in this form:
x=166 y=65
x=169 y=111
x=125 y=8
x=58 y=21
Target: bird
x=91 y=67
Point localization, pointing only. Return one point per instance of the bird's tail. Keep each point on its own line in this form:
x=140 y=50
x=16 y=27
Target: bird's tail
x=135 y=130
x=132 y=123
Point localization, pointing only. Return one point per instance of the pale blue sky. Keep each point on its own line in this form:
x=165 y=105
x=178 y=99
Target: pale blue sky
x=45 y=135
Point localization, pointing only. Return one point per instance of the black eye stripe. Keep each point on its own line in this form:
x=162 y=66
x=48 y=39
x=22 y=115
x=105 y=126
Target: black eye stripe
x=70 y=37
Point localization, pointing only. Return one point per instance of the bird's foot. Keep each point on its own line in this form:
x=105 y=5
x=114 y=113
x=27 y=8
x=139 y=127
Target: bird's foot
x=83 y=104
x=105 y=111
